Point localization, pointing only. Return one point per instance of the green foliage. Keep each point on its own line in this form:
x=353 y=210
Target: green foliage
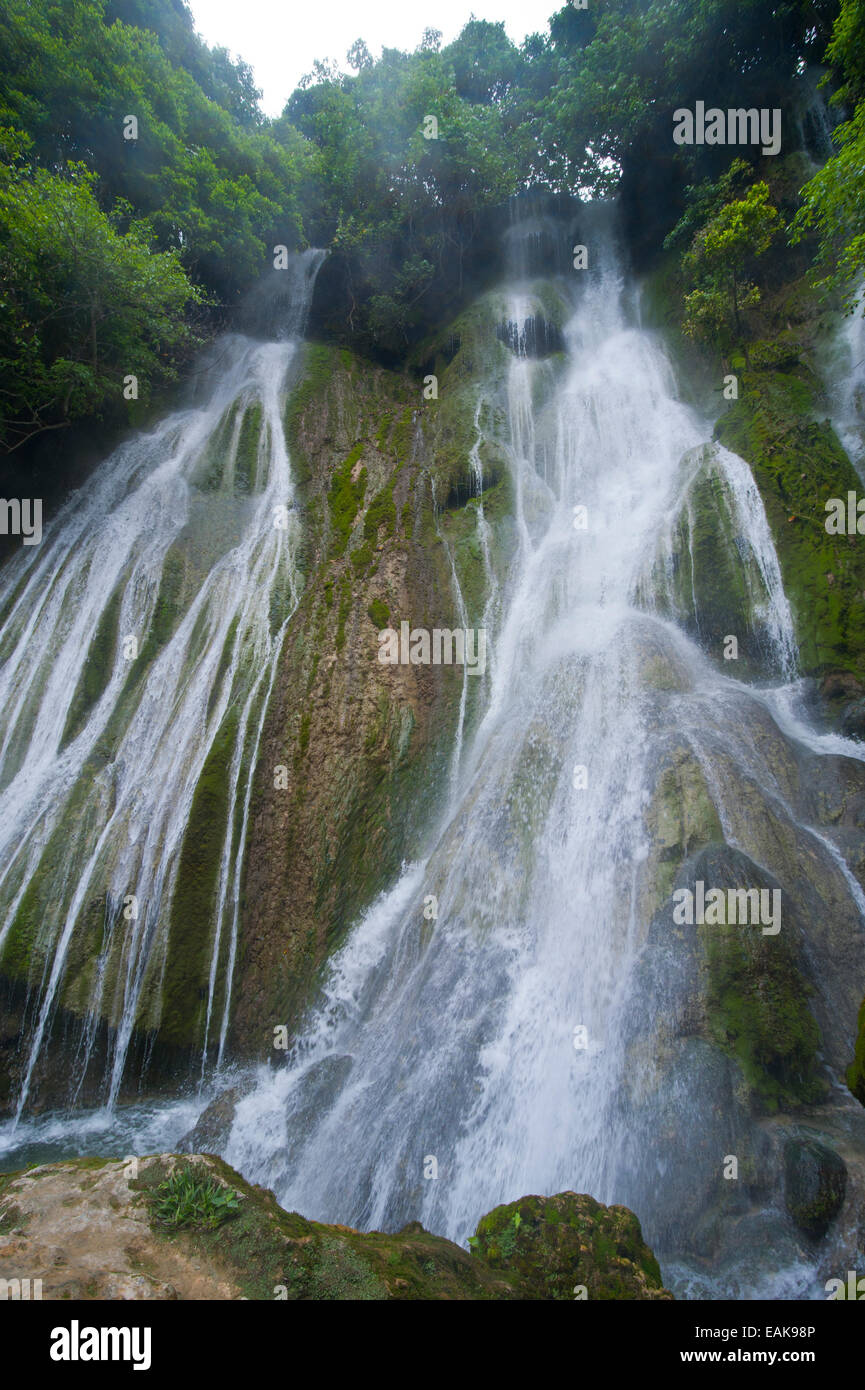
x=151 y=230
x=110 y=248
x=188 y=1199
x=718 y=261
x=403 y=213
x=83 y=303
x=615 y=77
x=215 y=186
x=833 y=201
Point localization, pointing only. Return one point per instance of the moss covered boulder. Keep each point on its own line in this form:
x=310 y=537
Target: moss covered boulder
x=569 y=1246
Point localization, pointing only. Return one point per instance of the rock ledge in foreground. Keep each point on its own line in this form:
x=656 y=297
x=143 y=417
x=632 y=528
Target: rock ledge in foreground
x=90 y=1229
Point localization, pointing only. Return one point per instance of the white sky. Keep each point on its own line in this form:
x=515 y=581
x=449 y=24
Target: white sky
x=281 y=38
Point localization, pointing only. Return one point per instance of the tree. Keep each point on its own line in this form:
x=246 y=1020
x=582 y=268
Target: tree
x=83 y=304
x=359 y=56
x=719 y=260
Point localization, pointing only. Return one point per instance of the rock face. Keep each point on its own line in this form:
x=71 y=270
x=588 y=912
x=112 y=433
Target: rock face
x=213 y=1126
x=100 y=1229
x=355 y=752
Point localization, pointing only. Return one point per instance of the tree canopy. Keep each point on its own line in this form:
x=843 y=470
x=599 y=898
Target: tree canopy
x=401 y=166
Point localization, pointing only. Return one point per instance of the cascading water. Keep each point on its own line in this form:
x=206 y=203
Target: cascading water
x=538 y=1032
x=454 y=1042
x=845 y=370
x=139 y=645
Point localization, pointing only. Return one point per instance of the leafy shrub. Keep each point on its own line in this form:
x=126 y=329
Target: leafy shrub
x=187 y=1198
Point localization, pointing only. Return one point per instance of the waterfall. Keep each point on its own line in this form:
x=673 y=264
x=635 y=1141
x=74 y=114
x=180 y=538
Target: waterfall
x=843 y=369
x=138 y=649
x=510 y=1046
x=538 y=1031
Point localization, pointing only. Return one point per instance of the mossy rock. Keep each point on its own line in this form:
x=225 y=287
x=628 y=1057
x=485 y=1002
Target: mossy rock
x=711 y=578
x=757 y=996
x=856 y=1070
x=815 y=1184
x=246 y=456
x=271 y=1254
x=799 y=464
x=194 y=901
x=345 y=497
x=558 y=1246
x=96 y=673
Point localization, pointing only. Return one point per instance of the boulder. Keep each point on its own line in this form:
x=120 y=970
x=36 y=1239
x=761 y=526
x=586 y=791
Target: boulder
x=815 y=1184
x=570 y=1246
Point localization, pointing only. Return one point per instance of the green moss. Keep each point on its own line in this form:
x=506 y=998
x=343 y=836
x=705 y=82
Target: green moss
x=757 y=1001
x=272 y=1254
x=856 y=1070
x=381 y=512
x=383 y=431
x=345 y=604
x=37 y=912
x=306 y=398
x=402 y=436
x=798 y=465
x=379 y=613
x=194 y=901
x=210 y=472
x=303 y=740
x=167 y=613
x=344 y=500
x=246 y=457
x=552 y=1244
x=712 y=587
x=339 y=1272
x=361 y=558
x=98 y=667
x=224 y=664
